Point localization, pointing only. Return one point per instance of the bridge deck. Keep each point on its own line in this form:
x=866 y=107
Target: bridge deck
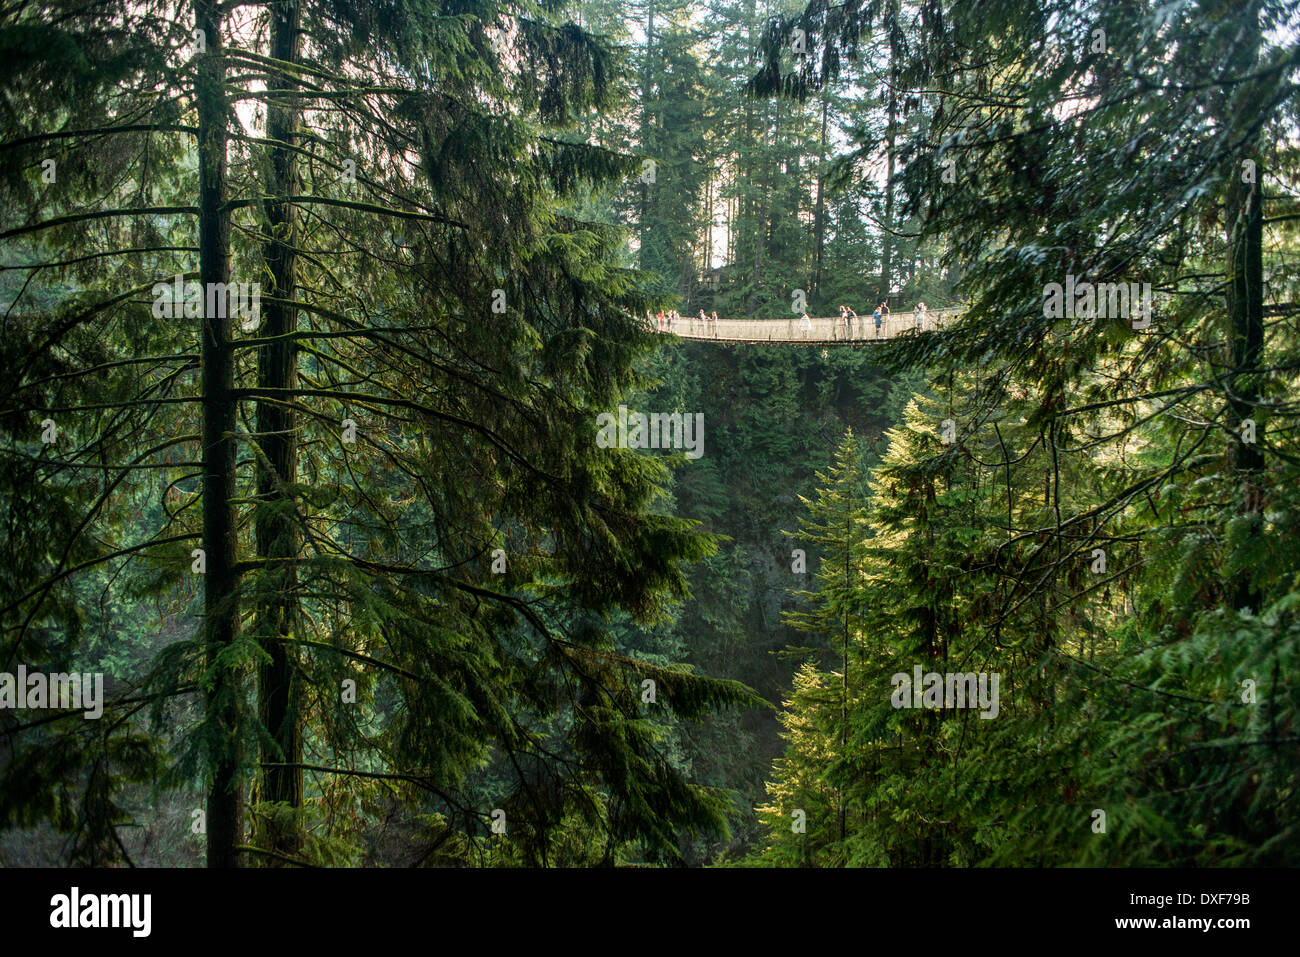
x=825 y=331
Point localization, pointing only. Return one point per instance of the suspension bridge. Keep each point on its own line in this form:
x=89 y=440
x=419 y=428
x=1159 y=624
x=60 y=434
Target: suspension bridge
x=822 y=331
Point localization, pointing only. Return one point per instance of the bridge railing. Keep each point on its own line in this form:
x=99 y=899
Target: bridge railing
x=821 y=329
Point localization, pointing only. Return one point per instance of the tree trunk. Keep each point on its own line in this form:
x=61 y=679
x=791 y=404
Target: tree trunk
x=1244 y=222
x=642 y=228
x=763 y=231
x=277 y=532
x=844 y=678
x=819 y=210
x=219 y=407
x=887 y=235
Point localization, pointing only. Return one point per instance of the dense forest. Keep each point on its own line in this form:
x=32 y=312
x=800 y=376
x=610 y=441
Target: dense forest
x=316 y=549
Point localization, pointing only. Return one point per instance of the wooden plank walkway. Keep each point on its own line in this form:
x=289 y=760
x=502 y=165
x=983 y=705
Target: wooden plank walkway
x=825 y=331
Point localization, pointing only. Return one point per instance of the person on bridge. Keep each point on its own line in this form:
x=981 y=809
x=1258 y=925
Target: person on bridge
x=876 y=316
x=714 y=319
x=847 y=315
x=920 y=315
x=805 y=324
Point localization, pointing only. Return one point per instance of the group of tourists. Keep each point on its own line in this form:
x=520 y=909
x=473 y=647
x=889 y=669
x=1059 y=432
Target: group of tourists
x=667 y=321
x=664 y=321
x=847 y=315
x=843 y=328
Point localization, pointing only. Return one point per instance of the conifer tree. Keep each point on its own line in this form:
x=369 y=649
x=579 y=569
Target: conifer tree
x=833 y=527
